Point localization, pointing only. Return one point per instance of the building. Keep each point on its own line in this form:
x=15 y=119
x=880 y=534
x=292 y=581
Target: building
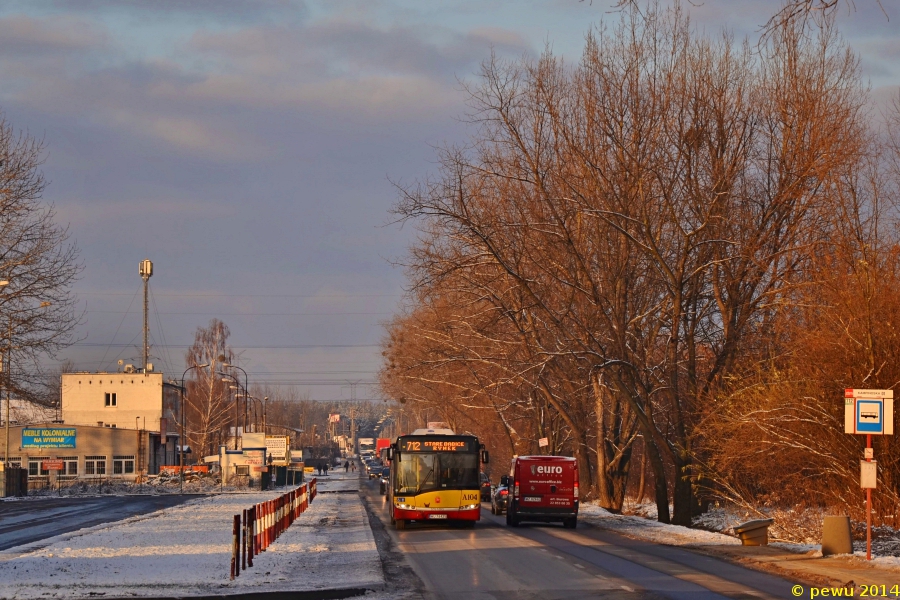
x=87 y=451
x=111 y=425
x=120 y=400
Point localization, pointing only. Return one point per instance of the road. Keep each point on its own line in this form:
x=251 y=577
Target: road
x=32 y=520
x=550 y=562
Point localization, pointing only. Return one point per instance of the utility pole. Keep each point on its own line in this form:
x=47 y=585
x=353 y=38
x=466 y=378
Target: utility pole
x=353 y=442
x=146 y=272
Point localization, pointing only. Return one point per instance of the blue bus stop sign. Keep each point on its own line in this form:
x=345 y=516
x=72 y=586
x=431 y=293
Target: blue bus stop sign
x=869 y=415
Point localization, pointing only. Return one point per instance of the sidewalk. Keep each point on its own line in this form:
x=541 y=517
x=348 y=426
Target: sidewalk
x=791 y=562
x=186 y=550
x=812 y=568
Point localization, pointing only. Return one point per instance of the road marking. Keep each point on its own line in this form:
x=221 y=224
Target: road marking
x=578 y=566
x=627 y=589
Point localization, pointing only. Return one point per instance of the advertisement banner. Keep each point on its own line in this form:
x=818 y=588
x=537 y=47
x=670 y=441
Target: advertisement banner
x=49 y=437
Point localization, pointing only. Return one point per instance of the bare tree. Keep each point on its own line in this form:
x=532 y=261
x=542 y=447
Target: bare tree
x=634 y=222
x=37 y=307
x=210 y=405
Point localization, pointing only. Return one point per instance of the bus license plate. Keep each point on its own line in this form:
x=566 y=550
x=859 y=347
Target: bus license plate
x=437 y=516
x=531 y=499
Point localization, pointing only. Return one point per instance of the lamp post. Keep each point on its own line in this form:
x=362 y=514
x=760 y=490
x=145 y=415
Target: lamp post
x=246 y=387
x=237 y=406
x=5 y=283
x=183 y=437
x=8 y=374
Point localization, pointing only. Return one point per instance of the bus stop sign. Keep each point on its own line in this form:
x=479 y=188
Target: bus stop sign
x=869 y=412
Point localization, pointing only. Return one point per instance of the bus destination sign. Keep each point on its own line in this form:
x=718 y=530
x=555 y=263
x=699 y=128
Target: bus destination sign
x=436 y=444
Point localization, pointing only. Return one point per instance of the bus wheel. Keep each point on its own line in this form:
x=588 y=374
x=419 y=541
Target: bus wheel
x=400 y=524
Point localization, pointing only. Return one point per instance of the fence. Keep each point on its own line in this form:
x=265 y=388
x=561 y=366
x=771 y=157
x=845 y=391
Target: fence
x=256 y=528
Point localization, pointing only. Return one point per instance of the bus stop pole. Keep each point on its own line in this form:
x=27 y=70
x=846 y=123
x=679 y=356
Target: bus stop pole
x=868 y=505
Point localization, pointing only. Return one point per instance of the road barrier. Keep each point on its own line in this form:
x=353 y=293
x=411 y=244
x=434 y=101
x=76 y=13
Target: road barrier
x=259 y=526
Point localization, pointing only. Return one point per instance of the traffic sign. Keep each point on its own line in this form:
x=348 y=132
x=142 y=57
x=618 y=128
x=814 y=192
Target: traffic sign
x=869 y=412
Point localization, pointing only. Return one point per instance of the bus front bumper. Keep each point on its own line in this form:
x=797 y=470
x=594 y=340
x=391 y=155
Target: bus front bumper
x=463 y=514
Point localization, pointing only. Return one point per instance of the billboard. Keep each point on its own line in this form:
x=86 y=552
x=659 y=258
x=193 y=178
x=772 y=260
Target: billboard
x=277 y=447
x=48 y=437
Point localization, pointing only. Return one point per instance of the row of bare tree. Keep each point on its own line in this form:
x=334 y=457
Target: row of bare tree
x=215 y=401
x=683 y=246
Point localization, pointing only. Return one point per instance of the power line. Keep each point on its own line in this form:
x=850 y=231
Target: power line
x=248 y=314
x=105 y=294
x=286 y=347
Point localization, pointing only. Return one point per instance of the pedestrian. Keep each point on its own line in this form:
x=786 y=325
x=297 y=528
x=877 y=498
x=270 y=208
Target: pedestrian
x=319 y=469
x=353 y=466
x=346 y=466
x=325 y=468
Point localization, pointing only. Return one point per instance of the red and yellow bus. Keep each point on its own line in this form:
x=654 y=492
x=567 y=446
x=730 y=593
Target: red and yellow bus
x=435 y=477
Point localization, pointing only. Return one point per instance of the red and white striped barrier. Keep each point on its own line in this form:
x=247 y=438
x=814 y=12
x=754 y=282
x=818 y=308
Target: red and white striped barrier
x=264 y=522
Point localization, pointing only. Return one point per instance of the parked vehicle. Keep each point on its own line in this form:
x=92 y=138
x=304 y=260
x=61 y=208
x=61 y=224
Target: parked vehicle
x=385 y=479
x=485 y=483
x=544 y=488
x=500 y=497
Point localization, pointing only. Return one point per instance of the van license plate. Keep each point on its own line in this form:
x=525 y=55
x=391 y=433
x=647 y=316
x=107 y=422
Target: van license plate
x=531 y=499
x=437 y=516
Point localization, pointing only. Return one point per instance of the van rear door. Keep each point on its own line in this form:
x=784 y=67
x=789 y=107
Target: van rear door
x=547 y=484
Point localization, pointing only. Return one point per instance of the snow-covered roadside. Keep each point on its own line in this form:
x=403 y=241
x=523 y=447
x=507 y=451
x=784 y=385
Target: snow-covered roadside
x=676 y=535
x=186 y=550
x=650 y=530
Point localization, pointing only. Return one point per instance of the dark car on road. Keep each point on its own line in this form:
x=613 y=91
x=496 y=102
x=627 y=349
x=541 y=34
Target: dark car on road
x=385 y=479
x=500 y=497
x=374 y=469
x=485 y=487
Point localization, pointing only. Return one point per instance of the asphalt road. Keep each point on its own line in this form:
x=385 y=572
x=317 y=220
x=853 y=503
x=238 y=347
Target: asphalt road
x=550 y=562
x=31 y=520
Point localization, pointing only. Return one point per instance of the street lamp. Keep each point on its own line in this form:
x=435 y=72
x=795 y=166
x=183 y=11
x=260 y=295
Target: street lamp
x=8 y=377
x=228 y=365
x=5 y=283
x=237 y=406
x=183 y=437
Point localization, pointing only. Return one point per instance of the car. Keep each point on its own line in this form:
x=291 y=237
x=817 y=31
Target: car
x=374 y=470
x=500 y=497
x=485 y=487
x=385 y=479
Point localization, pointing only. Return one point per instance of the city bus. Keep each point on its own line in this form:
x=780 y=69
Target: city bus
x=435 y=477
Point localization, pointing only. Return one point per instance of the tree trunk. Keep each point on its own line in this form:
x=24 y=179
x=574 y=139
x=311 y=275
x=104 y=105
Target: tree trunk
x=615 y=436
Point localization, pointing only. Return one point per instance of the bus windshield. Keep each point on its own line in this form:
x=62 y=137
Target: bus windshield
x=427 y=472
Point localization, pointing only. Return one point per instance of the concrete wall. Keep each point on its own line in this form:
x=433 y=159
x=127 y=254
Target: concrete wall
x=139 y=400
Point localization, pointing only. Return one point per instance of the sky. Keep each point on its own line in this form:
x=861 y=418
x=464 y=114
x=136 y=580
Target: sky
x=251 y=149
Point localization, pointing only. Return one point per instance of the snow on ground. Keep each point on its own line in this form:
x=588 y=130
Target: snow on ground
x=645 y=528
x=653 y=531
x=186 y=550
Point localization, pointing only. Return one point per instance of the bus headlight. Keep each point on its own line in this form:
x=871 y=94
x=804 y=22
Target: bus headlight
x=469 y=506
x=404 y=506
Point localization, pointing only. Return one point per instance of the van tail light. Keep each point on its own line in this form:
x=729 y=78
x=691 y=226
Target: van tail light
x=516 y=490
x=576 y=491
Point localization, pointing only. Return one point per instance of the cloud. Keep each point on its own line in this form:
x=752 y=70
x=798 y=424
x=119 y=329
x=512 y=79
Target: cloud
x=27 y=37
